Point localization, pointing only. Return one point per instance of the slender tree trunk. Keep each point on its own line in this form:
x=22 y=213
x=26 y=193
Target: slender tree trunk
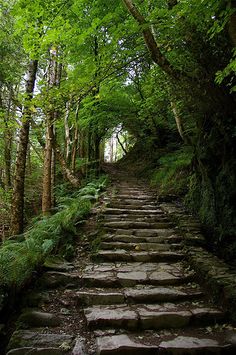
x=47 y=170
x=49 y=162
x=67 y=132
x=17 y=217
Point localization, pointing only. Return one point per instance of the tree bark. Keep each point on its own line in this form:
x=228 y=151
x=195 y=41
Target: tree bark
x=47 y=170
x=17 y=218
x=49 y=162
x=75 y=140
x=67 y=132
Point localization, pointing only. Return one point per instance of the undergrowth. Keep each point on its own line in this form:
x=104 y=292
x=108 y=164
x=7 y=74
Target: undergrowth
x=20 y=256
x=173 y=172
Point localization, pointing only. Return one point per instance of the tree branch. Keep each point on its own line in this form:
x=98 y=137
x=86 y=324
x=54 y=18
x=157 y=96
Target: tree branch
x=150 y=41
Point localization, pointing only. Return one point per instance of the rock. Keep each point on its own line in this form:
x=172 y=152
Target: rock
x=34 y=318
x=152 y=319
x=102 y=297
x=131 y=278
x=111 y=316
x=157 y=294
x=39 y=351
x=33 y=299
x=57 y=264
x=122 y=345
x=134 y=224
x=191 y=345
x=79 y=348
x=53 y=279
x=99 y=279
x=202 y=316
x=31 y=339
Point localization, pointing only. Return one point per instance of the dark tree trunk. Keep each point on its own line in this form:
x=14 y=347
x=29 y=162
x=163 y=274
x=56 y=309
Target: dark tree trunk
x=17 y=218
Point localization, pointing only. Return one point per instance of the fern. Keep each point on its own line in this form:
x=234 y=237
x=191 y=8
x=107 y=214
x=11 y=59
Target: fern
x=19 y=259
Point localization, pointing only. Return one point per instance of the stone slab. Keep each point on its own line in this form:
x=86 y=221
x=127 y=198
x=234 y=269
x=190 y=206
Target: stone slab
x=111 y=316
x=192 y=345
x=122 y=345
x=33 y=318
x=36 y=339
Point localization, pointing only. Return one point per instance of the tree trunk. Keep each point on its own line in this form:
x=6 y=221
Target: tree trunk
x=54 y=77
x=67 y=132
x=47 y=170
x=17 y=217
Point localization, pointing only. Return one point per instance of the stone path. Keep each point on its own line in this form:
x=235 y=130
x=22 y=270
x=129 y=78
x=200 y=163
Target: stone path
x=134 y=296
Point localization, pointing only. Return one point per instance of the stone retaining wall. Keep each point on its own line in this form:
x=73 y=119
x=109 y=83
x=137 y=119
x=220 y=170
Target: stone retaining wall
x=218 y=277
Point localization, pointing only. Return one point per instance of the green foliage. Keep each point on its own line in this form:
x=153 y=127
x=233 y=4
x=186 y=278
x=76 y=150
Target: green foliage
x=173 y=172
x=18 y=259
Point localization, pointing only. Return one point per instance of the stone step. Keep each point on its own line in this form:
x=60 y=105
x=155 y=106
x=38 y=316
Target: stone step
x=135 y=196
x=54 y=279
x=151 y=316
x=126 y=206
x=120 y=211
x=141 y=232
x=134 y=218
x=139 y=246
x=128 y=344
x=140 y=294
x=38 y=342
x=136 y=225
x=131 y=274
x=141 y=256
x=133 y=239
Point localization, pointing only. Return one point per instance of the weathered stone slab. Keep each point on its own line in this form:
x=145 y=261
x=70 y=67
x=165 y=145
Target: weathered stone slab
x=99 y=279
x=202 y=316
x=31 y=339
x=34 y=318
x=57 y=264
x=39 y=351
x=167 y=278
x=154 y=319
x=134 y=224
x=192 y=345
x=79 y=348
x=111 y=316
x=142 y=256
x=93 y=297
x=138 y=246
x=131 y=278
x=53 y=279
x=133 y=211
x=153 y=232
x=122 y=345
x=149 y=294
